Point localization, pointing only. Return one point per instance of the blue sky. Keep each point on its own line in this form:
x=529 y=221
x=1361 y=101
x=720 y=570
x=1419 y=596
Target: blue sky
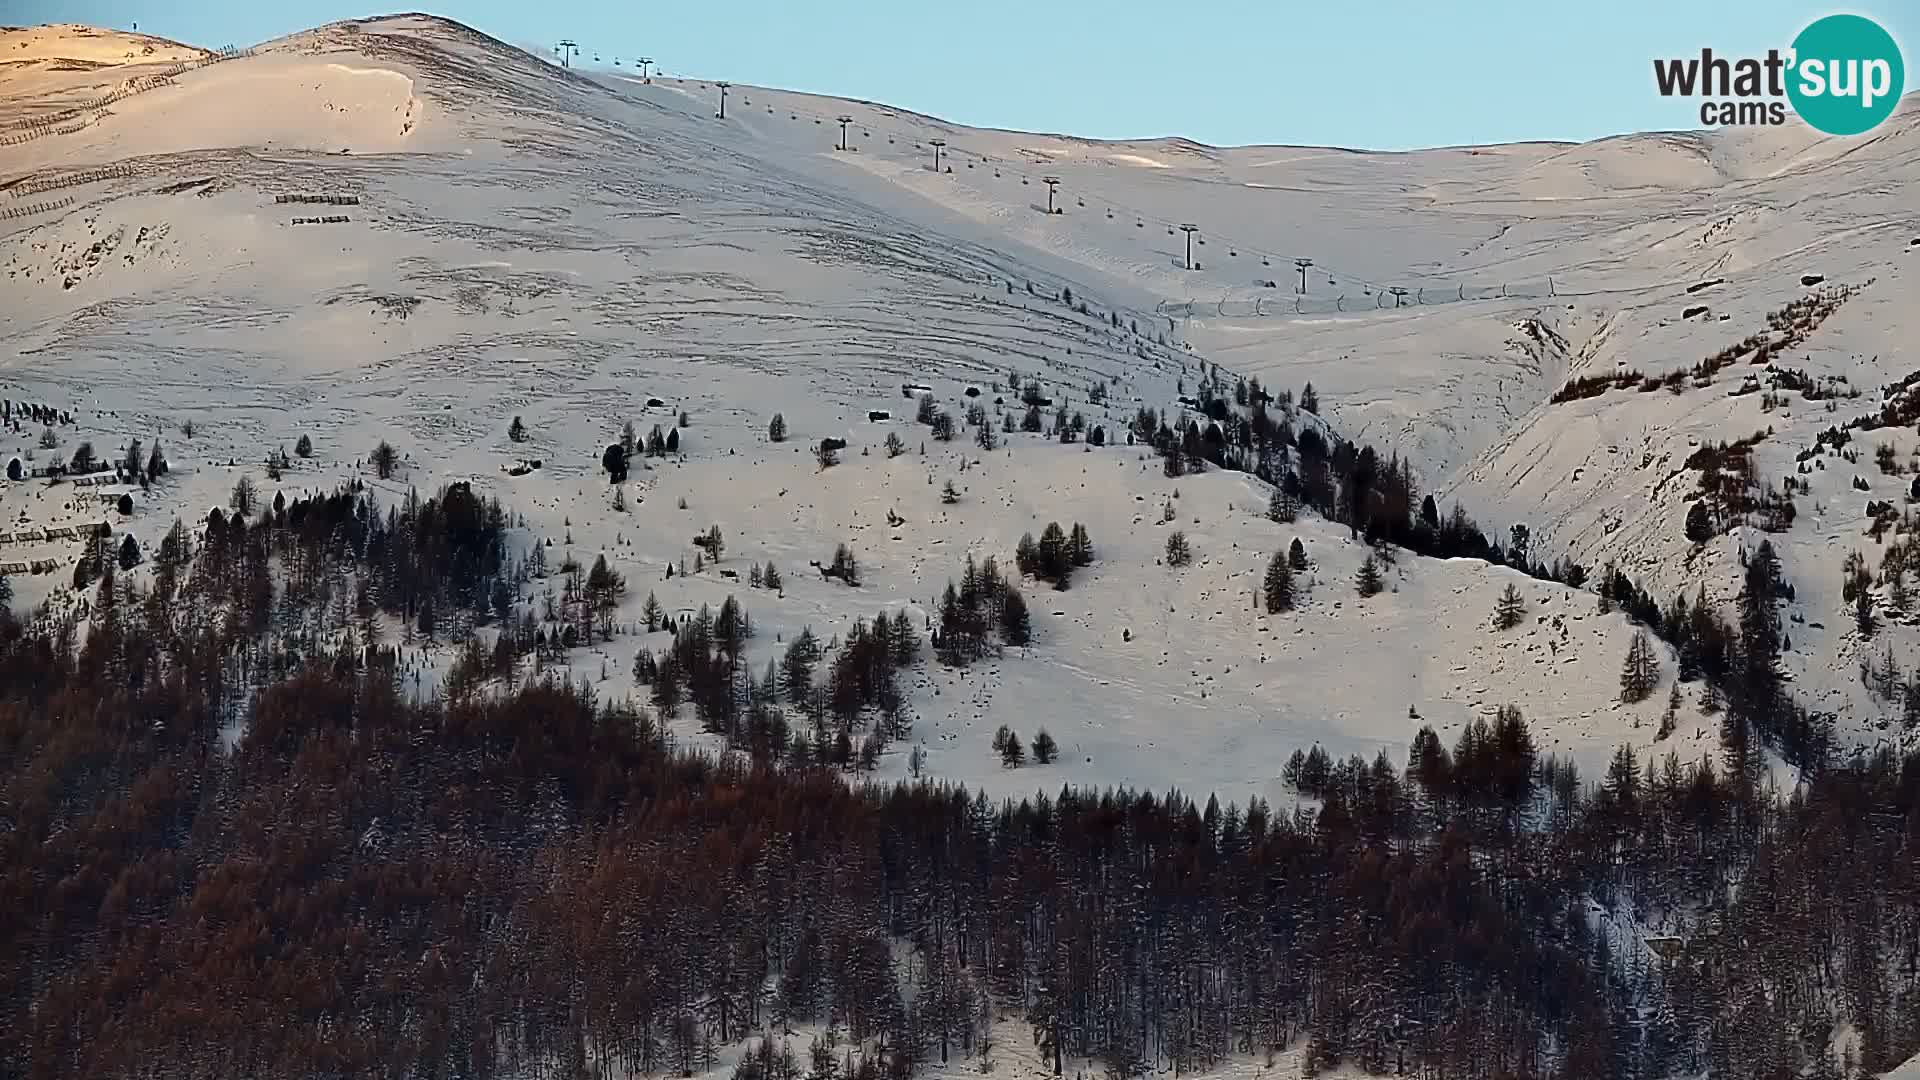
x=1382 y=74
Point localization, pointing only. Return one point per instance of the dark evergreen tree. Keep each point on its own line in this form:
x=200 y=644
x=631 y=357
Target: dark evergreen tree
x=1179 y=553
x=1640 y=674
x=1368 y=581
x=1278 y=585
x=1079 y=546
x=1044 y=748
x=614 y=460
x=1699 y=522
x=1012 y=753
x=1016 y=627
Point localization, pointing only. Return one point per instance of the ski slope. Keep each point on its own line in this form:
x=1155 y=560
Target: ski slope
x=571 y=248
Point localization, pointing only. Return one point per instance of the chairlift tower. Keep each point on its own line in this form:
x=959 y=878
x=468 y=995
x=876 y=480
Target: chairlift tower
x=1052 y=182
x=1189 y=230
x=723 y=98
x=844 y=121
x=567 y=49
x=645 y=63
x=937 y=144
x=1303 y=264
x=1399 y=296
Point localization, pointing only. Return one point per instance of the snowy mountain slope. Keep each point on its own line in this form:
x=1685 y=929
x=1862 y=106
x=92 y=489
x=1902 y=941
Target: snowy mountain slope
x=73 y=47
x=567 y=248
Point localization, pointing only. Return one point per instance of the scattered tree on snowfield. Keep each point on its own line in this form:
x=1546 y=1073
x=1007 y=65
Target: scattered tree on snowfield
x=1278 y=585
x=1044 y=748
x=614 y=460
x=1509 y=609
x=1368 y=582
x=1179 y=553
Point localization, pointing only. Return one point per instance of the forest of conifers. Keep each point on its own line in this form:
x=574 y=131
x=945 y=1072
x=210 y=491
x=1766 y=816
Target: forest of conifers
x=526 y=881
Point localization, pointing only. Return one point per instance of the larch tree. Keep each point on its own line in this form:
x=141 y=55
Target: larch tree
x=1640 y=674
x=1509 y=609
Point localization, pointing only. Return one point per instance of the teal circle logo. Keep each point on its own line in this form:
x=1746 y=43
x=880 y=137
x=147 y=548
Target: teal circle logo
x=1847 y=75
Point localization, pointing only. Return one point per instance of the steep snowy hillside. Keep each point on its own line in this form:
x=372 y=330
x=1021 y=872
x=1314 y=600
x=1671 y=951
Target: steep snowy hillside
x=400 y=229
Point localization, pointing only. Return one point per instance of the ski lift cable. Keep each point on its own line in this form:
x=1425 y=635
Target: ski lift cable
x=958 y=152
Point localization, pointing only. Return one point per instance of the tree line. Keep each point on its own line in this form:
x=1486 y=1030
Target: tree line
x=533 y=880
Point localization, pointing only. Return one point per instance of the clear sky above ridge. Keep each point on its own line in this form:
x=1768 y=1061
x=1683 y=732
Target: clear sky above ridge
x=1387 y=74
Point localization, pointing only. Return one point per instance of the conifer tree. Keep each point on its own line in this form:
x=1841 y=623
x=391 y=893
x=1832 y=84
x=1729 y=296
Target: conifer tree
x=1671 y=717
x=1013 y=753
x=1640 y=675
x=1282 y=507
x=244 y=496
x=1079 y=546
x=1044 y=748
x=1699 y=523
x=1279 y=585
x=1016 y=628
x=1179 y=553
x=1297 y=554
x=1054 y=556
x=777 y=428
x=1368 y=581
x=1508 y=611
